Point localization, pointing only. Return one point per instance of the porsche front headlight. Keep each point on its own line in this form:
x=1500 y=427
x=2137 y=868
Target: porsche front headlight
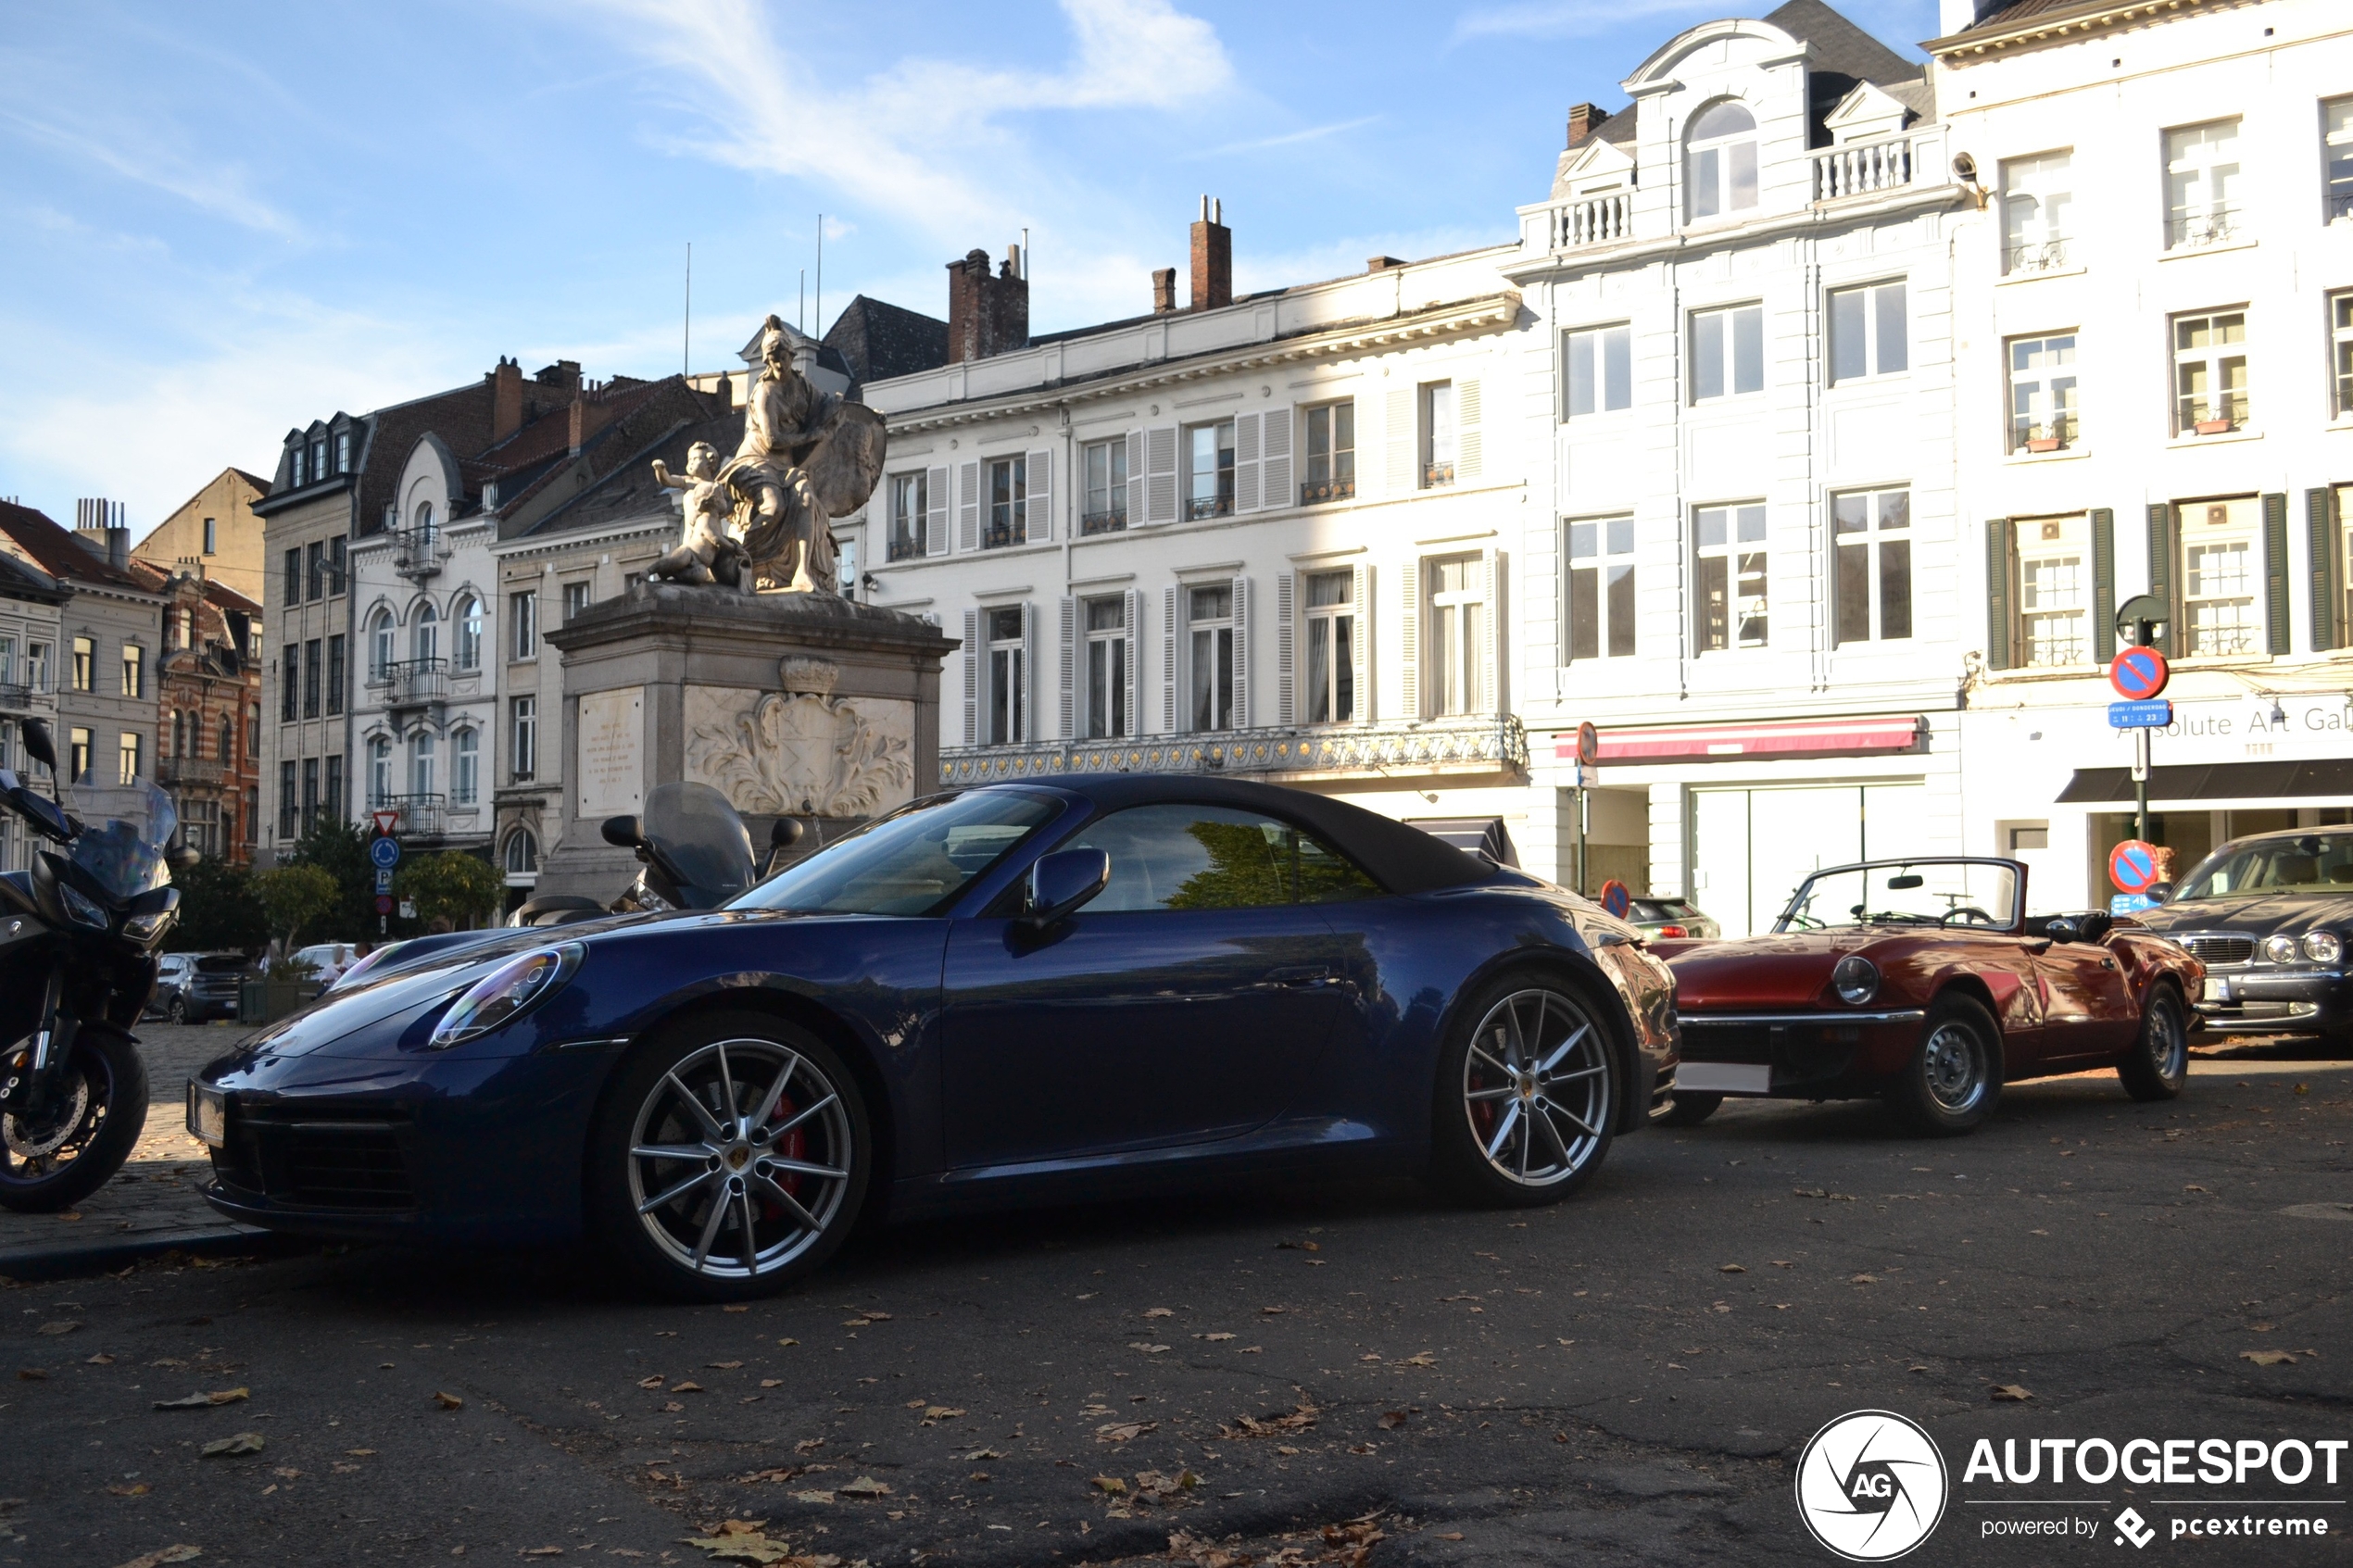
x=2324 y=946
x=505 y=993
x=1856 y=980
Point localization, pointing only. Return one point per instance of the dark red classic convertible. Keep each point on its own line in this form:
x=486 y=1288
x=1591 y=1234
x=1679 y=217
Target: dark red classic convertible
x=1922 y=982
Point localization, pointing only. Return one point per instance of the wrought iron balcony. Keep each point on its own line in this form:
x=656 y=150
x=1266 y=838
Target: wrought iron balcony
x=18 y=695
x=188 y=771
x=905 y=546
x=2030 y=257
x=1112 y=521
x=1475 y=742
x=2202 y=231
x=998 y=535
x=1436 y=476
x=410 y=682
x=417 y=553
x=421 y=815
x=1200 y=507
x=1315 y=492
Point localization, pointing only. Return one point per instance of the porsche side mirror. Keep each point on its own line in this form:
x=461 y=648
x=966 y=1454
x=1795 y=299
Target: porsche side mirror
x=625 y=833
x=36 y=741
x=1061 y=883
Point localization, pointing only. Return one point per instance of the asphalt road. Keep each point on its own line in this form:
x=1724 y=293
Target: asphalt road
x=1628 y=1377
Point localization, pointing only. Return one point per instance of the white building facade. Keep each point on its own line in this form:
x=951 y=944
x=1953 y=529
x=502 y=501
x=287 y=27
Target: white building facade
x=2156 y=318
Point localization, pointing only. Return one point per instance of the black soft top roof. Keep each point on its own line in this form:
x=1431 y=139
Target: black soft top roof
x=1402 y=859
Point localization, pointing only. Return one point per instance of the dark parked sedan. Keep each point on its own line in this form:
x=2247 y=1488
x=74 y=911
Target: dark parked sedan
x=195 y=988
x=1016 y=993
x=2269 y=915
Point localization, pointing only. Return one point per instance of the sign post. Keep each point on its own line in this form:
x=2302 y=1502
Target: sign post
x=2139 y=675
x=1588 y=757
x=383 y=853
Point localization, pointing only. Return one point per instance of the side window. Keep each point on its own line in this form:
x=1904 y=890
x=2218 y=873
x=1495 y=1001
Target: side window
x=1210 y=857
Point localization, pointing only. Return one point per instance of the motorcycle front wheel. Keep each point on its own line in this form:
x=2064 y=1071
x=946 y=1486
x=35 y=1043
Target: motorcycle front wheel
x=55 y=1157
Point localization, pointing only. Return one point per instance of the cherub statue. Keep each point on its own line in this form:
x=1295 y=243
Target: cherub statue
x=706 y=546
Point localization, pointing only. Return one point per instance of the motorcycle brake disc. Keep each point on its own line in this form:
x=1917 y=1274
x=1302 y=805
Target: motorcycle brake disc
x=46 y=1137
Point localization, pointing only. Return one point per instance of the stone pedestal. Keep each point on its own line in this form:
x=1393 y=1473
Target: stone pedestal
x=798 y=705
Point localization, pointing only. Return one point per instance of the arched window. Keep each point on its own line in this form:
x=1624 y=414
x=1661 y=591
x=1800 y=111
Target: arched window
x=1719 y=162
x=422 y=765
x=522 y=853
x=228 y=741
x=466 y=772
x=379 y=772
x=178 y=735
x=469 y=619
x=424 y=639
x=380 y=644
x=424 y=523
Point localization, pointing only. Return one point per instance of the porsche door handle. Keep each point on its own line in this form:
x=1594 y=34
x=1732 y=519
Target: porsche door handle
x=1300 y=976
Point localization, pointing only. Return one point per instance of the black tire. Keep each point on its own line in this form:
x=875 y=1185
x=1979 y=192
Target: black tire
x=178 y=1010
x=61 y=1159
x=1953 y=1079
x=682 y=1229
x=1541 y=1050
x=1689 y=1109
x=2159 y=1063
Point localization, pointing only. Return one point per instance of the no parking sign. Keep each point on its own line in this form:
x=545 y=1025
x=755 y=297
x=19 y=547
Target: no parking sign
x=1615 y=898
x=2132 y=865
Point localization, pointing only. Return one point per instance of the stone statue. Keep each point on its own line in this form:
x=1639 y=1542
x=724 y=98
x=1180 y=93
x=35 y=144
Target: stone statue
x=807 y=457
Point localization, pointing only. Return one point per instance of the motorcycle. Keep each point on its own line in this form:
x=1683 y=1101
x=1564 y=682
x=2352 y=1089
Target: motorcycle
x=78 y=938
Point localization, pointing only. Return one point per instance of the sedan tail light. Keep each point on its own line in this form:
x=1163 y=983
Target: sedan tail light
x=1665 y=930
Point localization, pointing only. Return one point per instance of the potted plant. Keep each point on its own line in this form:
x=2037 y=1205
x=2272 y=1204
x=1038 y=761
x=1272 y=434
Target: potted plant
x=2213 y=427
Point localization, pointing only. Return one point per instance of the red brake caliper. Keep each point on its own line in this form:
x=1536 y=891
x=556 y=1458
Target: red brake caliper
x=792 y=1146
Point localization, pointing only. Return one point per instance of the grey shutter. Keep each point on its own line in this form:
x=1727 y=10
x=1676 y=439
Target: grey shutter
x=936 y=511
x=1470 y=440
x=1160 y=475
x=2161 y=525
x=1361 y=592
x=2102 y=584
x=1246 y=463
x=972 y=677
x=2275 y=589
x=1274 y=476
x=1069 y=666
x=1027 y=696
x=2320 y=526
x=1397 y=443
x=1135 y=623
x=1997 y=593
x=1169 y=663
x=1242 y=653
x=1409 y=645
x=1131 y=503
x=968 y=507
x=1041 y=510
x=1286 y=669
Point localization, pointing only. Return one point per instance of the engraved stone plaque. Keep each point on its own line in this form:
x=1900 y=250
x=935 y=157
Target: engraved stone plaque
x=613 y=740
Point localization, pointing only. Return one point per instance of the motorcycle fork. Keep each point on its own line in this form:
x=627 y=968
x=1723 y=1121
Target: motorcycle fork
x=52 y=1045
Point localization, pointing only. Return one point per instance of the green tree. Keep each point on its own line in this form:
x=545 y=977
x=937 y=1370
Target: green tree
x=340 y=849
x=294 y=898
x=462 y=887
x=218 y=909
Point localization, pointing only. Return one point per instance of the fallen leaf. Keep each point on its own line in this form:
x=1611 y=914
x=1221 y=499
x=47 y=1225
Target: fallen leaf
x=1148 y=1350
x=56 y=1328
x=1298 y=1246
x=2267 y=1358
x=672 y=1407
x=734 y=1309
x=137 y=1490
x=1368 y=1356
x=1270 y=1312
x=940 y=1412
x=1425 y=1358
x=1781 y=1262
x=449 y=1402
x=787 y=1342
x=31 y=1374
x=2010 y=1393
x=169 y=1554
x=772 y=1382
x=723 y=1366
x=656 y=1381
x=361 y=1453
x=813 y=1497
x=1451 y=1536
x=689 y=1386
x=343 y=1469
x=1111 y=1485
x=864 y=1487
x=809 y=1444
x=101 y=1358
x=541 y=1551
x=1391 y=1420
x=1160 y=1313
x=1124 y=1431
x=205 y=1401
x=1864 y=1279
x=1285 y=1449
x=2193 y=1186
x=857 y=1322
x=1360 y=1448
x=1731 y=1269
x=228 y=1448
x=1217 y=1339
x=875 y=1316
x=287 y=1473
x=978 y=1454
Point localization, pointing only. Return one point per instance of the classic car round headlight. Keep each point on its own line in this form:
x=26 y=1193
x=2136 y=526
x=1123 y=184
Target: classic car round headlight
x=506 y=993
x=1855 y=979
x=2279 y=949
x=2324 y=946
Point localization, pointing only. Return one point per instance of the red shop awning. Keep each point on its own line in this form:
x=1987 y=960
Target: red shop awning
x=1793 y=737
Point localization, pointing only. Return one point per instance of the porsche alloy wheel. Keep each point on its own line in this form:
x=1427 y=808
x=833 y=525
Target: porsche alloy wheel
x=1534 y=1086
x=1954 y=1078
x=2159 y=1063
x=741 y=1162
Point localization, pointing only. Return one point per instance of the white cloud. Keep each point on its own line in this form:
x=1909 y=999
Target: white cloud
x=147 y=156
x=1573 y=19
x=1287 y=139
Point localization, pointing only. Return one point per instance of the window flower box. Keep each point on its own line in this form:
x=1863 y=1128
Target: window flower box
x=2213 y=427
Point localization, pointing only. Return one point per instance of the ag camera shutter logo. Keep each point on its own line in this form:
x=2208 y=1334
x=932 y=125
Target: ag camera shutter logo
x=1871 y=1486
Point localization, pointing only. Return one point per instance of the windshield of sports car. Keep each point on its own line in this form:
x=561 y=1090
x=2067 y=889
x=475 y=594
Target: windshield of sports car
x=912 y=862
x=2312 y=863
x=1947 y=893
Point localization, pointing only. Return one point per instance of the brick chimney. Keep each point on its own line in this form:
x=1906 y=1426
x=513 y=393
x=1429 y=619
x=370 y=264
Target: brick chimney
x=1583 y=120
x=1212 y=258
x=1381 y=263
x=986 y=316
x=579 y=425
x=1164 y=290
x=506 y=399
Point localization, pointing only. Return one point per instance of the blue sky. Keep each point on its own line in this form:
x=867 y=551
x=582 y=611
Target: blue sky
x=224 y=219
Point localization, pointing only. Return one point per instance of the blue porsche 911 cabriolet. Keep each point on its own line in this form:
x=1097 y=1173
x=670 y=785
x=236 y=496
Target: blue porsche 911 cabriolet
x=1011 y=993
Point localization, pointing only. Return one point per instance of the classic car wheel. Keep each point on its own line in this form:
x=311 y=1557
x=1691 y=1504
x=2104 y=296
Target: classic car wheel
x=731 y=1157
x=2159 y=1062
x=1954 y=1075
x=1532 y=1087
x=1689 y=1110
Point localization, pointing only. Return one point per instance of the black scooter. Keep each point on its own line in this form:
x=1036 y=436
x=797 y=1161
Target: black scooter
x=77 y=936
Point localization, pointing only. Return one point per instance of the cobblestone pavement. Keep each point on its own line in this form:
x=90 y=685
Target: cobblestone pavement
x=156 y=1193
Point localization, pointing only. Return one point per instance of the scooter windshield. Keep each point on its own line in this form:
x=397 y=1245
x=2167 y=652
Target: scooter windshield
x=125 y=829
x=700 y=834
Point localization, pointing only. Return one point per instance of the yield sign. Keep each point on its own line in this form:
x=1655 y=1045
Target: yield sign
x=385 y=823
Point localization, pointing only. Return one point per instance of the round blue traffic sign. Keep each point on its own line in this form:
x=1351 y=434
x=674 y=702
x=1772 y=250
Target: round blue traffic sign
x=1615 y=898
x=2139 y=673
x=2132 y=865
x=384 y=852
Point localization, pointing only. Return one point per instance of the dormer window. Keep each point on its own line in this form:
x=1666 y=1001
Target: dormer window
x=293 y=474
x=343 y=451
x=1720 y=162
x=319 y=460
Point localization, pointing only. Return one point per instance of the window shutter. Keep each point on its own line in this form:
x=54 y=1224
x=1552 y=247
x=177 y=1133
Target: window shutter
x=1361 y=591
x=1286 y=612
x=936 y=513
x=972 y=677
x=1160 y=475
x=1246 y=463
x=1027 y=729
x=1470 y=441
x=1134 y=612
x=1041 y=510
x=1069 y=664
x=1134 y=500
x=2102 y=584
x=1490 y=564
x=2161 y=524
x=968 y=507
x=1409 y=645
x=1242 y=653
x=1397 y=443
x=1274 y=478
x=1169 y=663
x=2319 y=524
x=2275 y=590
x=1997 y=593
